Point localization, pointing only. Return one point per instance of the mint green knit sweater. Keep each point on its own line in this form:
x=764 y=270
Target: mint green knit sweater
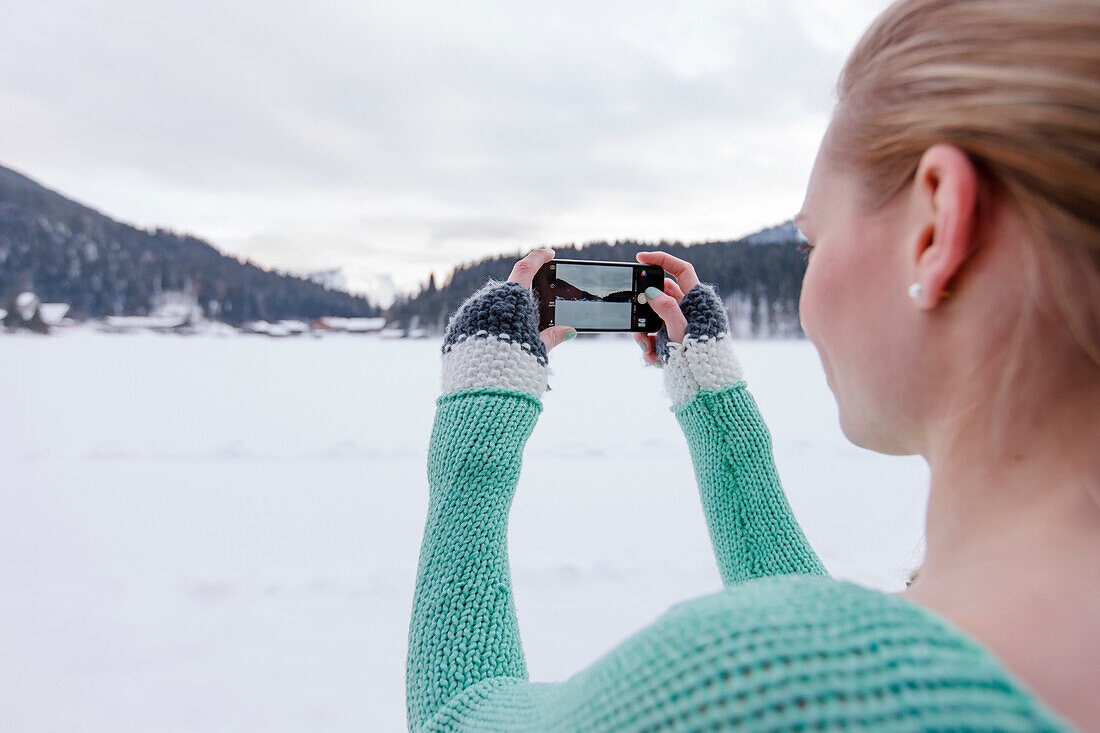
x=784 y=647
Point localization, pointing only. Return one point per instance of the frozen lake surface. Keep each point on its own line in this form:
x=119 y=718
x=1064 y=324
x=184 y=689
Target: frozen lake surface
x=221 y=533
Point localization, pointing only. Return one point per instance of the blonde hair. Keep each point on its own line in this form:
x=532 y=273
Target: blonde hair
x=1015 y=84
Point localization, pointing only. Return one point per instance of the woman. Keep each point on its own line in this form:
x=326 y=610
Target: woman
x=952 y=293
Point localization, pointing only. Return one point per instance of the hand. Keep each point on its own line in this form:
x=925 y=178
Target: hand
x=667 y=304
x=523 y=272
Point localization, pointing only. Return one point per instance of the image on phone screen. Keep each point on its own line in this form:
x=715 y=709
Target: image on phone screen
x=588 y=296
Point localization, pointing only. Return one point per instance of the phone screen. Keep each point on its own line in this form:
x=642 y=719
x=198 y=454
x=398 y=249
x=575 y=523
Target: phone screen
x=593 y=296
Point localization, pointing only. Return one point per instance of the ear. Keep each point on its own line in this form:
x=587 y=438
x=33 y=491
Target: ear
x=944 y=199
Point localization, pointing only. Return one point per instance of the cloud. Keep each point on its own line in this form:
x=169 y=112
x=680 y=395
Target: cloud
x=403 y=138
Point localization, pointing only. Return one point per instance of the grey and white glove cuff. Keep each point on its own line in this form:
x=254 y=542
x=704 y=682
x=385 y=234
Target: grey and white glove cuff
x=705 y=360
x=492 y=342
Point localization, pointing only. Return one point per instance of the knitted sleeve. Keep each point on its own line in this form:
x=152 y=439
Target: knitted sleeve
x=751 y=525
x=463 y=628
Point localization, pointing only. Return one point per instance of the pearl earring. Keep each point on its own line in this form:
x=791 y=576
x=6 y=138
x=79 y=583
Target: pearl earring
x=914 y=291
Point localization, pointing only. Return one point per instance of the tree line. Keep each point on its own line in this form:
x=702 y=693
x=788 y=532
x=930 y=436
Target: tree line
x=759 y=278
x=64 y=251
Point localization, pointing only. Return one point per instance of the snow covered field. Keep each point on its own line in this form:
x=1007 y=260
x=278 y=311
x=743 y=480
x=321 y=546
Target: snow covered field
x=221 y=534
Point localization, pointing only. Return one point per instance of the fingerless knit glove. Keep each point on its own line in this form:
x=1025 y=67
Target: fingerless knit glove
x=492 y=342
x=705 y=360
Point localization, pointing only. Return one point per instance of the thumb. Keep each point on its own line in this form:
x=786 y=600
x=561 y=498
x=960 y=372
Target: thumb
x=665 y=306
x=555 y=335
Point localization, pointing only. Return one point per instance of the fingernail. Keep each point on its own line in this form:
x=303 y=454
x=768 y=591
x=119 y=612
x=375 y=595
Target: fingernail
x=660 y=364
x=569 y=335
x=642 y=346
x=652 y=292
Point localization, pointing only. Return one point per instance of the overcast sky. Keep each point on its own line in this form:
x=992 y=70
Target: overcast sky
x=399 y=138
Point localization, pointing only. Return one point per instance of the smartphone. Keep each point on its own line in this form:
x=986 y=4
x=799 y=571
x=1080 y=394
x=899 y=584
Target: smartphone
x=597 y=296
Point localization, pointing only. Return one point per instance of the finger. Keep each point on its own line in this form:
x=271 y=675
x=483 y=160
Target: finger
x=648 y=342
x=555 y=335
x=674 y=290
x=523 y=272
x=682 y=270
x=665 y=306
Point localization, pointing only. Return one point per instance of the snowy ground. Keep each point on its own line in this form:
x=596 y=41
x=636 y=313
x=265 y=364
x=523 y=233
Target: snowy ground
x=221 y=534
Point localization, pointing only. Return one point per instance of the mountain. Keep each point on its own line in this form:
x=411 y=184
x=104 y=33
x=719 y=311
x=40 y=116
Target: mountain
x=781 y=234
x=377 y=287
x=759 y=277
x=67 y=252
x=331 y=279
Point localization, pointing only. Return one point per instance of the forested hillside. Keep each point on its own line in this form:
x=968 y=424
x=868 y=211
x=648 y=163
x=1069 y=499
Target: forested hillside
x=64 y=251
x=758 y=276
